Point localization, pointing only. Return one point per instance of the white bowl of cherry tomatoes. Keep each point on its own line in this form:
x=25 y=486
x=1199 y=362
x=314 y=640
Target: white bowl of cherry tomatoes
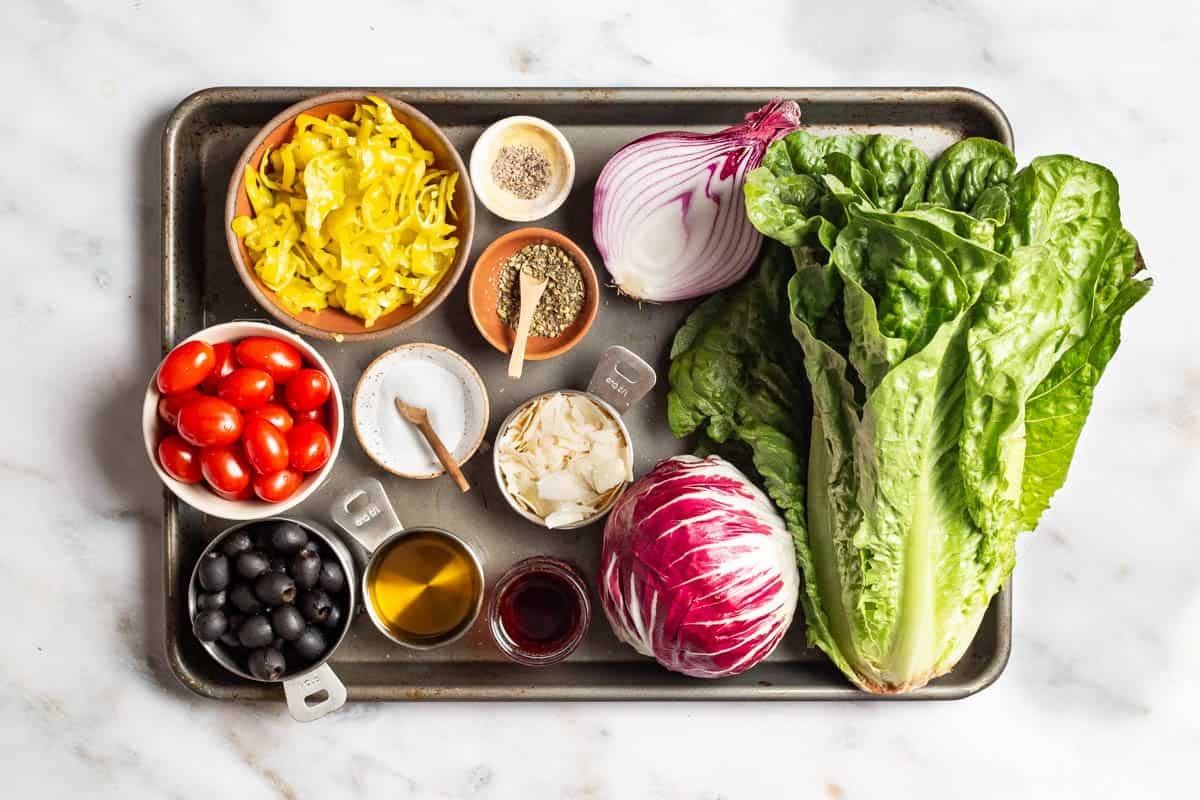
x=243 y=420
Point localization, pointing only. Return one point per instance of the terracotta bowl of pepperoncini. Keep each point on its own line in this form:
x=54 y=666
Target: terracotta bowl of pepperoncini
x=567 y=308
x=350 y=216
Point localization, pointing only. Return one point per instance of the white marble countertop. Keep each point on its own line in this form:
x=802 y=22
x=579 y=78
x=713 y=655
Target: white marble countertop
x=1100 y=697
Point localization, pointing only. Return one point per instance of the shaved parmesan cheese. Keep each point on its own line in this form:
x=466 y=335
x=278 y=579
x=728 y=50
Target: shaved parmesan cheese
x=567 y=515
x=564 y=459
x=563 y=485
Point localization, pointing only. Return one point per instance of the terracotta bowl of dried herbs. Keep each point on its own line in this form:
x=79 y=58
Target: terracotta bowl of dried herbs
x=567 y=308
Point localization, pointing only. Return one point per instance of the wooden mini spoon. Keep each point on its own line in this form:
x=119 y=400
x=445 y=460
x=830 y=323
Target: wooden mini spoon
x=531 y=293
x=420 y=418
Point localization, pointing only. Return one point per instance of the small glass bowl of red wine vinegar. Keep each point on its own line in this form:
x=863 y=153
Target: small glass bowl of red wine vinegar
x=540 y=611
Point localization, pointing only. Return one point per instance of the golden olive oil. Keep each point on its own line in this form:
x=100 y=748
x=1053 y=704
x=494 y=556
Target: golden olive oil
x=424 y=587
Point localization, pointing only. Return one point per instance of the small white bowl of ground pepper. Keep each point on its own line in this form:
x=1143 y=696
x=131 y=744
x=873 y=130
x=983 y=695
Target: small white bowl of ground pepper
x=522 y=168
x=567 y=307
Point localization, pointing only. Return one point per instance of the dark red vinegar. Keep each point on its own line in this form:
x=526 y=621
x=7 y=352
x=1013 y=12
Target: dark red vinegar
x=540 y=611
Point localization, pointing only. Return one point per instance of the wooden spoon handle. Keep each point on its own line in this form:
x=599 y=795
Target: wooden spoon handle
x=443 y=455
x=516 y=362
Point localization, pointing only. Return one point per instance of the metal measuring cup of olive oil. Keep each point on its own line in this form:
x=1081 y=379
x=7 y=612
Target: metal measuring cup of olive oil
x=423 y=586
x=619 y=382
x=317 y=690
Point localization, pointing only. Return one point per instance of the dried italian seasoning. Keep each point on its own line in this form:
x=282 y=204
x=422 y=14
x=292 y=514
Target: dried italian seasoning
x=521 y=169
x=563 y=298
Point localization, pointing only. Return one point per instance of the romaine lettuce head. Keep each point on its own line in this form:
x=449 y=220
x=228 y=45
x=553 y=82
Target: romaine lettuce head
x=952 y=322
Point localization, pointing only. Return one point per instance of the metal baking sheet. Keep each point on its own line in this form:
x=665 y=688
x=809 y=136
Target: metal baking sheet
x=201 y=142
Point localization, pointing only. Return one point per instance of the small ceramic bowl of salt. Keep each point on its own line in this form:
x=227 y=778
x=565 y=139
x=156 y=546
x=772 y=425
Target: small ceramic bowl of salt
x=431 y=377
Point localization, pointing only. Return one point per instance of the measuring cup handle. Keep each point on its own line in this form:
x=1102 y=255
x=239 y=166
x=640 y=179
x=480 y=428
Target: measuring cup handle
x=621 y=378
x=314 y=695
x=370 y=522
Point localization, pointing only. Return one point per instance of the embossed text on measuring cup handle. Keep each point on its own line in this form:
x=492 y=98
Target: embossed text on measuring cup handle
x=364 y=511
x=622 y=378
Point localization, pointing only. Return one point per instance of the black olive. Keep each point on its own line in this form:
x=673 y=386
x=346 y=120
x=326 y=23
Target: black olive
x=267 y=664
x=311 y=547
x=275 y=588
x=261 y=533
x=235 y=543
x=251 y=564
x=315 y=605
x=243 y=599
x=278 y=644
x=287 y=622
x=210 y=625
x=332 y=579
x=214 y=571
x=288 y=538
x=334 y=621
x=229 y=638
x=210 y=601
x=306 y=568
x=278 y=564
x=310 y=645
x=256 y=631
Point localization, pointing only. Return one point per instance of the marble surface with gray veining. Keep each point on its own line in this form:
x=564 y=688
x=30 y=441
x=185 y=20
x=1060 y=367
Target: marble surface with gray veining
x=1100 y=698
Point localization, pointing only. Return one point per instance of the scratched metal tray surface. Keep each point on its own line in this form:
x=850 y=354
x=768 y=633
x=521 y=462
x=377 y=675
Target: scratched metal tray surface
x=201 y=142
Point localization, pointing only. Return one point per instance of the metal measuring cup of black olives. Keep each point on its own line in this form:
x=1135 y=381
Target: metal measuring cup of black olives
x=270 y=601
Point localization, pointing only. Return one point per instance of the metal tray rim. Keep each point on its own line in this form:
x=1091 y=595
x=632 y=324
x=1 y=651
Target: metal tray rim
x=198 y=100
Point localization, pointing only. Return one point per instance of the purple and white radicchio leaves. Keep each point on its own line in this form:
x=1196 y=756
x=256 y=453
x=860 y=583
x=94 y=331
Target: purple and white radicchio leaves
x=698 y=569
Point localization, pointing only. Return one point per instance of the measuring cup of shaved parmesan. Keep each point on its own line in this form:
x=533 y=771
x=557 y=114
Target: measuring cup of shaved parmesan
x=563 y=458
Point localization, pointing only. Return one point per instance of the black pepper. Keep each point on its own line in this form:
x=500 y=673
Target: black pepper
x=561 y=301
x=521 y=169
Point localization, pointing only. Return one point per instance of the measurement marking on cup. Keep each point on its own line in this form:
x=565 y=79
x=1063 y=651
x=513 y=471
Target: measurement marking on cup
x=616 y=386
x=369 y=513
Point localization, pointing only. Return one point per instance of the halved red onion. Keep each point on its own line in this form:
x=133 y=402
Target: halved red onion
x=668 y=217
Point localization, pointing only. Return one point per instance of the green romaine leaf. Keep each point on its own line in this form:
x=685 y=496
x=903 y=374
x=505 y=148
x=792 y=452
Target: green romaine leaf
x=785 y=206
x=1066 y=203
x=900 y=289
x=734 y=377
x=1055 y=413
x=1019 y=329
x=1034 y=310
x=799 y=194
x=993 y=205
x=963 y=174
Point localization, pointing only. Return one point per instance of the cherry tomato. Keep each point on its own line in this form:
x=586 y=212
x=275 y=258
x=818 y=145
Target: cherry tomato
x=244 y=494
x=185 y=367
x=278 y=486
x=209 y=421
x=170 y=404
x=266 y=447
x=309 y=446
x=225 y=471
x=275 y=414
x=318 y=415
x=307 y=389
x=277 y=358
x=226 y=363
x=179 y=459
x=246 y=388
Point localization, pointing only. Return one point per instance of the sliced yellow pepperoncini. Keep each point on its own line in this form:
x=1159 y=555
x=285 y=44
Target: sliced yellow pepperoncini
x=350 y=214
